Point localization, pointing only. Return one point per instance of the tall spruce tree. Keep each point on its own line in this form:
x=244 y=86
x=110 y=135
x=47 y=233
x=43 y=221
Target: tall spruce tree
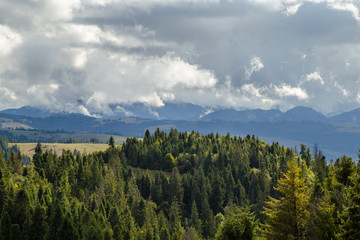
x=351 y=214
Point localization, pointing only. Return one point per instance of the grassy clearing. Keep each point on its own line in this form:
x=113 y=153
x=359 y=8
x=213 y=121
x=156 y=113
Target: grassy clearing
x=29 y=148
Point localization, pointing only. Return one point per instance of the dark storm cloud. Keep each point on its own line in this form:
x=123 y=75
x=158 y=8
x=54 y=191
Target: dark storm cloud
x=83 y=55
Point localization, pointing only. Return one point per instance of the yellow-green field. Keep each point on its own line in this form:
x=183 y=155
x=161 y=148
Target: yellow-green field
x=29 y=148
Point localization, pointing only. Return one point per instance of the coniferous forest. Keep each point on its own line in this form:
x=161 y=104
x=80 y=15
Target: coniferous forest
x=180 y=185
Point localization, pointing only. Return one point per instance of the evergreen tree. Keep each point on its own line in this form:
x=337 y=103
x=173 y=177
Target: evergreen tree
x=239 y=224
x=94 y=233
x=324 y=225
x=56 y=217
x=5 y=226
x=164 y=233
x=288 y=216
x=38 y=159
x=15 y=233
x=66 y=230
x=207 y=219
x=38 y=225
x=111 y=142
x=218 y=195
x=195 y=222
x=344 y=169
x=175 y=187
x=108 y=234
x=351 y=215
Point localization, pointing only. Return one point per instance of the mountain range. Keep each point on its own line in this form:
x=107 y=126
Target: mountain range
x=191 y=112
x=335 y=135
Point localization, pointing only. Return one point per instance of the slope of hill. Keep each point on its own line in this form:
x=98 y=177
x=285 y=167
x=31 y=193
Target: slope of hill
x=303 y=114
x=28 y=149
x=27 y=111
x=351 y=117
x=257 y=115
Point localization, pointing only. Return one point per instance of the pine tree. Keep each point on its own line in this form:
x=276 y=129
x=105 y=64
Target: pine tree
x=15 y=233
x=164 y=233
x=2 y=165
x=66 y=230
x=38 y=159
x=111 y=142
x=5 y=226
x=324 y=224
x=108 y=234
x=207 y=219
x=195 y=222
x=175 y=187
x=218 y=195
x=239 y=224
x=38 y=226
x=345 y=168
x=11 y=162
x=351 y=214
x=288 y=216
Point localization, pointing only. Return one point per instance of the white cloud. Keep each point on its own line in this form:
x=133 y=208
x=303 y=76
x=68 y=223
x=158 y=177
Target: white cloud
x=60 y=10
x=167 y=96
x=8 y=93
x=255 y=66
x=315 y=76
x=292 y=9
x=64 y=54
x=151 y=80
x=348 y=7
x=341 y=88
x=289 y=91
x=9 y=39
x=251 y=89
x=146 y=4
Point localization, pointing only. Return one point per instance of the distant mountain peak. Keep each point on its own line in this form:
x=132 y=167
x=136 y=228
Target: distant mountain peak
x=301 y=113
x=28 y=111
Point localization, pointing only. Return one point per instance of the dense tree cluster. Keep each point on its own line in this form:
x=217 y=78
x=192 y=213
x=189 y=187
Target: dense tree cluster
x=180 y=186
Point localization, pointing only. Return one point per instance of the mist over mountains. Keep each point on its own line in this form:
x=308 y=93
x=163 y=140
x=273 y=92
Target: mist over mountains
x=334 y=136
x=191 y=112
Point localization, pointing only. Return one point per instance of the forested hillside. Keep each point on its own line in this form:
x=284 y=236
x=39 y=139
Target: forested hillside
x=180 y=185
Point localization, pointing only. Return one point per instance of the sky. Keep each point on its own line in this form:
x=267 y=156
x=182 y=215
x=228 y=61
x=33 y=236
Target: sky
x=82 y=55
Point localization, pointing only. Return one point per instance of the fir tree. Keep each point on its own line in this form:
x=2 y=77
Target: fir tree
x=38 y=226
x=239 y=224
x=351 y=215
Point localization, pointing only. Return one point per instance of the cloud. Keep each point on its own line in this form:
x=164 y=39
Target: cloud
x=315 y=76
x=255 y=66
x=289 y=91
x=9 y=39
x=341 y=88
x=83 y=55
x=8 y=93
x=251 y=89
x=292 y=9
x=348 y=7
x=150 y=80
x=63 y=10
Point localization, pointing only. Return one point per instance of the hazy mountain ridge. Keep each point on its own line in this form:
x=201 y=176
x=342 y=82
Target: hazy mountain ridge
x=191 y=112
x=335 y=136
